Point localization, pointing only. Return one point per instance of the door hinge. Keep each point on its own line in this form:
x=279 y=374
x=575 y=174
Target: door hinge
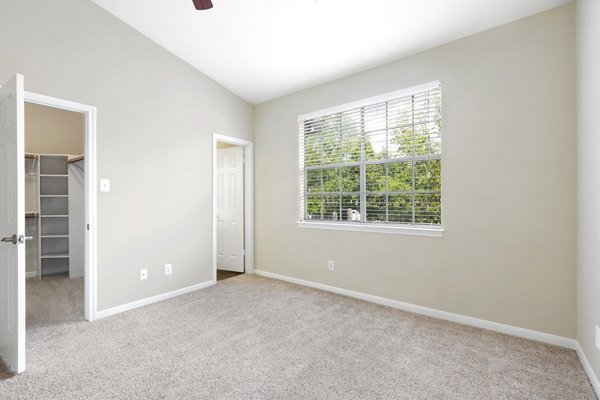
x=88 y=227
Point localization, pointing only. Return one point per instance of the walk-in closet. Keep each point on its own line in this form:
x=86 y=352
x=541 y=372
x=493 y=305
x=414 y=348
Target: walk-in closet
x=54 y=192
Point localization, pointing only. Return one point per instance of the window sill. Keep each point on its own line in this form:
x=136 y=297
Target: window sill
x=374 y=228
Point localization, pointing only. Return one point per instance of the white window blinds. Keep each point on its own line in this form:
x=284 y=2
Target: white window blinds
x=375 y=163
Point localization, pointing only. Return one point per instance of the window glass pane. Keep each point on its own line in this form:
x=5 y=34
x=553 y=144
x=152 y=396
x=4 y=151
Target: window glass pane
x=376 y=145
x=331 y=180
x=331 y=208
x=331 y=147
x=376 y=209
x=400 y=113
x=400 y=177
x=427 y=176
x=351 y=179
x=313 y=181
x=427 y=209
x=435 y=138
x=427 y=139
x=351 y=207
x=400 y=142
x=351 y=128
x=312 y=150
x=374 y=117
x=400 y=123
x=351 y=145
x=400 y=209
x=313 y=207
x=376 y=177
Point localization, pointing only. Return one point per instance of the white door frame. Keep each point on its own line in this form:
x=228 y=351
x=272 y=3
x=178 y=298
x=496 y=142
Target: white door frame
x=248 y=200
x=91 y=195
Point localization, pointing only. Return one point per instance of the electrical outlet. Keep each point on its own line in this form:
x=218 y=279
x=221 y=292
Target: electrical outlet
x=331 y=265
x=168 y=269
x=143 y=274
x=598 y=337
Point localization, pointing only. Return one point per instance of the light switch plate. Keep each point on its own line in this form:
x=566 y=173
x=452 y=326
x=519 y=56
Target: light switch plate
x=168 y=269
x=143 y=274
x=105 y=185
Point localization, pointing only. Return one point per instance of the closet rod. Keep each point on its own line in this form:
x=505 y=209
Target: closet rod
x=31 y=156
x=32 y=215
x=75 y=159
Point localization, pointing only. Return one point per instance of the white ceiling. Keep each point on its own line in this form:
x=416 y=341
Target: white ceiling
x=263 y=49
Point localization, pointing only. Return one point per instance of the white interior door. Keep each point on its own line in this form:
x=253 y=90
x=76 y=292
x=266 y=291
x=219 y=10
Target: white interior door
x=12 y=224
x=230 y=209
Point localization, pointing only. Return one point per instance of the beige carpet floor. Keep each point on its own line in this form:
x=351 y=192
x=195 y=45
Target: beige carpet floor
x=254 y=338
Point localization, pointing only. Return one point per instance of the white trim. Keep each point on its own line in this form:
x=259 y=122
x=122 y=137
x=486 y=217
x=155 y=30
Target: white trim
x=432 y=312
x=55 y=102
x=30 y=274
x=588 y=369
x=371 y=100
x=375 y=228
x=91 y=193
x=151 y=300
x=248 y=200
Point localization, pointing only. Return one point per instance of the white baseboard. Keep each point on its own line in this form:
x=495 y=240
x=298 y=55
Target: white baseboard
x=432 y=312
x=150 y=300
x=588 y=369
x=30 y=274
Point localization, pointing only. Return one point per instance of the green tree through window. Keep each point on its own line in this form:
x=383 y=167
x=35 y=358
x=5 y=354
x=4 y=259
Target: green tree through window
x=379 y=163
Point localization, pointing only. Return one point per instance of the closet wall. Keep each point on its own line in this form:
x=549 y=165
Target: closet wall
x=54 y=131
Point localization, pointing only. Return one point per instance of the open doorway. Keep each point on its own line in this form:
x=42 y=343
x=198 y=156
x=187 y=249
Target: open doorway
x=75 y=235
x=232 y=207
x=230 y=210
x=54 y=214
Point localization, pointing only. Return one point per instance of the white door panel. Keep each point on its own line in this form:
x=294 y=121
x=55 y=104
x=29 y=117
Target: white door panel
x=12 y=222
x=230 y=209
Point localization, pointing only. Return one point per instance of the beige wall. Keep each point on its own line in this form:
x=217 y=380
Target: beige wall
x=53 y=131
x=508 y=188
x=588 y=33
x=156 y=117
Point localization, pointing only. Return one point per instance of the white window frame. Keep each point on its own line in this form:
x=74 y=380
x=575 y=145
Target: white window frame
x=401 y=229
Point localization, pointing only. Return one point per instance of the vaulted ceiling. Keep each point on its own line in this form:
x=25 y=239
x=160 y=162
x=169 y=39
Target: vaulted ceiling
x=263 y=49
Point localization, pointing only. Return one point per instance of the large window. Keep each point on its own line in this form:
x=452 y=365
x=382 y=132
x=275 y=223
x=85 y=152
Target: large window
x=378 y=162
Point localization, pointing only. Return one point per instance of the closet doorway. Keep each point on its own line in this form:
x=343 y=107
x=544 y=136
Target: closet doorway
x=54 y=215
x=60 y=205
x=233 y=236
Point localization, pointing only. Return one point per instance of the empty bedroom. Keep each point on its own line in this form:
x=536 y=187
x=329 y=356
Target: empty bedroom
x=299 y=199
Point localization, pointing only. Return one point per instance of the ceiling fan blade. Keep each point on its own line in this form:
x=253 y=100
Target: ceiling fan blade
x=203 y=4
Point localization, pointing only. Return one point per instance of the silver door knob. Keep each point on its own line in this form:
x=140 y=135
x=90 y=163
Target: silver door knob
x=22 y=238
x=14 y=239
x=10 y=239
